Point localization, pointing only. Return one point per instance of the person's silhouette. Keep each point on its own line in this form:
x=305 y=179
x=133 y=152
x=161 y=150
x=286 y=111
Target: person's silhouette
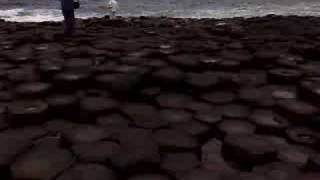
x=67 y=7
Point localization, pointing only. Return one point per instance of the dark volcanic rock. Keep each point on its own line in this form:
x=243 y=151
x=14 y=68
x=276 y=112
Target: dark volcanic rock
x=180 y=162
x=149 y=177
x=178 y=101
x=175 y=116
x=63 y=105
x=96 y=152
x=41 y=163
x=86 y=134
x=174 y=139
x=297 y=111
x=219 y=97
x=268 y=121
x=27 y=112
x=168 y=75
x=236 y=111
x=310 y=91
x=32 y=90
x=113 y=120
x=137 y=146
x=94 y=106
x=210 y=117
x=248 y=149
x=12 y=149
x=261 y=97
x=234 y=127
x=212 y=159
x=71 y=80
x=88 y=172
x=143 y=115
x=283 y=75
x=202 y=174
x=303 y=136
x=202 y=80
x=278 y=171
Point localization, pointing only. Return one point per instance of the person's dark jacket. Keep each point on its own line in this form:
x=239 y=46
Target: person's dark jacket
x=67 y=5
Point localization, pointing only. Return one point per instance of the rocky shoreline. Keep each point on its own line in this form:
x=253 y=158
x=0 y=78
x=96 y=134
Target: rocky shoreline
x=161 y=99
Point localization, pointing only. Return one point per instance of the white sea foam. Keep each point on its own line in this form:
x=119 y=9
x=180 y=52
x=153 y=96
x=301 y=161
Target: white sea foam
x=245 y=10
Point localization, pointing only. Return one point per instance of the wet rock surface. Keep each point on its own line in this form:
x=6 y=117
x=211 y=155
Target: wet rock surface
x=161 y=99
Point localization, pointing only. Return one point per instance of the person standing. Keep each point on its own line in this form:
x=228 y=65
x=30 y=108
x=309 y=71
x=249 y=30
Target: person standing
x=113 y=7
x=67 y=7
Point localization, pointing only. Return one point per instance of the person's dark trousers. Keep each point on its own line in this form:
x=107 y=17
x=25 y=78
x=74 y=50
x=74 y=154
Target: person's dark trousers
x=68 y=22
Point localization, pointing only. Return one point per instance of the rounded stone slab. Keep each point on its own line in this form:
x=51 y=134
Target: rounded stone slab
x=236 y=127
x=193 y=128
x=88 y=172
x=211 y=117
x=57 y=126
x=41 y=163
x=27 y=112
x=70 y=80
x=113 y=120
x=268 y=121
x=253 y=176
x=180 y=162
x=28 y=133
x=261 y=97
x=278 y=171
x=22 y=75
x=185 y=60
x=12 y=149
x=174 y=139
x=303 y=135
x=310 y=91
x=149 y=177
x=177 y=101
x=98 y=105
x=248 y=149
x=137 y=146
x=96 y=152
x=121 y=83
x=32 y=89
x=219 y=97
x=199 y=106
x=314 y=162
x=48 y=70
x=150 y=92
x=288 y=92
x=212 y=159
x=202 y=174
x=235 y=111
x=85 y=134
x=295 y=110
x=169 y=74
x=251 y=78
x=293 y=156
x=284 y=75
x=77 y=64
x=310 y=176
x=173 y=116
x=144 y=115
x=63 y=105
x=202 y=80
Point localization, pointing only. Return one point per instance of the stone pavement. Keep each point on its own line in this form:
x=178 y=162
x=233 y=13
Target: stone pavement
x=161 y=99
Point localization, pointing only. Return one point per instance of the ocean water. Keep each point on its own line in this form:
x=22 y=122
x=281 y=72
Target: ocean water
x=48 y=10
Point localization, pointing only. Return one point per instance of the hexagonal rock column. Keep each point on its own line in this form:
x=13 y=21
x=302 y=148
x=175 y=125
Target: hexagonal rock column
x=41 y=163
x=248 y=149
x=88 y=172
x=137 y=146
